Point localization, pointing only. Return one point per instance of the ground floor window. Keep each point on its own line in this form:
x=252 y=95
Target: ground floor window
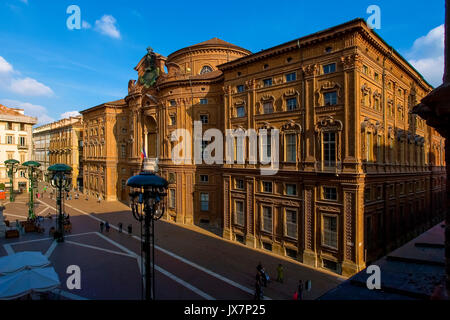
x=172 y=199
x=291 y=223
x=267 y=219
x=239 y=213
x=329 y=231
x=204 y=201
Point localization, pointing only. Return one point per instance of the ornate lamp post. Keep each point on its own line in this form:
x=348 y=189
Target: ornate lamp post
x=60 y=180
x=12 y=166
x=33 y=173
x=146 y=206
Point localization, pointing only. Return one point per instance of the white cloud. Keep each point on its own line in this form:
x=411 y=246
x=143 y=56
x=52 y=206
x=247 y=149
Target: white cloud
x=5 y=67
x=31 y=110
x=30 y=87
x=85 y=25
x=10 y=81
x=69 y=114
x=107 y=26
x=427 y=55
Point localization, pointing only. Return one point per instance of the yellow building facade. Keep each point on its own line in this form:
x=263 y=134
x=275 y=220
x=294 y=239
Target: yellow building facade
x=60 y=142
x=358 y=175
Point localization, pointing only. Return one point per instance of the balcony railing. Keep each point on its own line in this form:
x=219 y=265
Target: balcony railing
x=334 y=167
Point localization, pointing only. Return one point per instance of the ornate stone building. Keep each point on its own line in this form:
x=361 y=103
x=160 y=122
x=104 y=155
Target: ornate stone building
x=358 y=175
x=60 y=142
x=102 y=147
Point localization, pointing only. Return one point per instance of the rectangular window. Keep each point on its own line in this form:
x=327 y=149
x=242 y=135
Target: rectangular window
x=203 y=101
x=367 y=194
x=329 y=234
x=266 y=145
x=239 y=213
x=22 y=141
x=240 y=111
x=291 y=104
x=291 y=189
x=204 y=178
x=172 y=103
x=9 y=139
x=267 y=82
x=172 y=198
x=267 y=219
x=204 y=145
x=9 y=126
x=240 y=184
x=204 y=201
x=22 y=127
x=291 y=77
x=329 y=68
x=291 y=148
x=329 y=149
x=365 y=69
x=173 y=120
x=268 y=107
x=291 y=223
x=240 y=88
x=267 y=186
x=123 y=151
x=329 y=193
x=204 y=118
x=330 y=98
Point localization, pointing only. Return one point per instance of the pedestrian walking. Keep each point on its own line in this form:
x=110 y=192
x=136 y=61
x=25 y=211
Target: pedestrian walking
x=263 y=274
x=87 y=197
x=300 y=290
x=120 y=227
x=130 y=229
x=107 y=227
x=280 y=273
x=102 y=225
x=99 y=199
x=258 y=288
x=77 y=196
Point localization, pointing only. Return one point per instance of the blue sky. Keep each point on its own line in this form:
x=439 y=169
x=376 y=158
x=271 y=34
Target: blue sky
x=50 y=70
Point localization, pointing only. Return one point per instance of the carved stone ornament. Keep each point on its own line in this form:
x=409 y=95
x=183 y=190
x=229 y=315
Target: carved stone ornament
x=291 y=125
x=328 y=124
x=291 y=93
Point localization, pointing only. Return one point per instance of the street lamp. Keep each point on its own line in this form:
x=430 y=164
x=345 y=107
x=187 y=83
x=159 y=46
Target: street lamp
x=33 y=174
x=146 y=206
x=12 y=166
x=60 y=180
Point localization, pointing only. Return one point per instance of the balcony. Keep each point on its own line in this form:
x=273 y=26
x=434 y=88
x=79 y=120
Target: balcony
x=23 y=147
x=333 y=167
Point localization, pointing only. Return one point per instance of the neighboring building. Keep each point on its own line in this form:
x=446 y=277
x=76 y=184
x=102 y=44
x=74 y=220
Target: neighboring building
x=41 y=145
x=102 y=142
x=358 y=174
x=61 y=142
x=415 y=271
x=15 y=143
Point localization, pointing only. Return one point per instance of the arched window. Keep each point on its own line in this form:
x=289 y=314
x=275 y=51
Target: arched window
x=206 y=69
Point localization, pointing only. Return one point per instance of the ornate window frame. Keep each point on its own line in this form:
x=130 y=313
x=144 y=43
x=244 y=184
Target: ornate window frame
x=329 y=124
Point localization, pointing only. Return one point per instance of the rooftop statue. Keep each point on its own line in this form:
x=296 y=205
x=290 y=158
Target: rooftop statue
x=151 y=73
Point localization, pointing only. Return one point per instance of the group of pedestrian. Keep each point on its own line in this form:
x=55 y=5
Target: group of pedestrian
x=262 y=278
x=104 y=226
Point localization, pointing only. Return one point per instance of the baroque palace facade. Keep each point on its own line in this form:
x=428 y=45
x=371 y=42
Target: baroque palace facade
x=358 y=175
